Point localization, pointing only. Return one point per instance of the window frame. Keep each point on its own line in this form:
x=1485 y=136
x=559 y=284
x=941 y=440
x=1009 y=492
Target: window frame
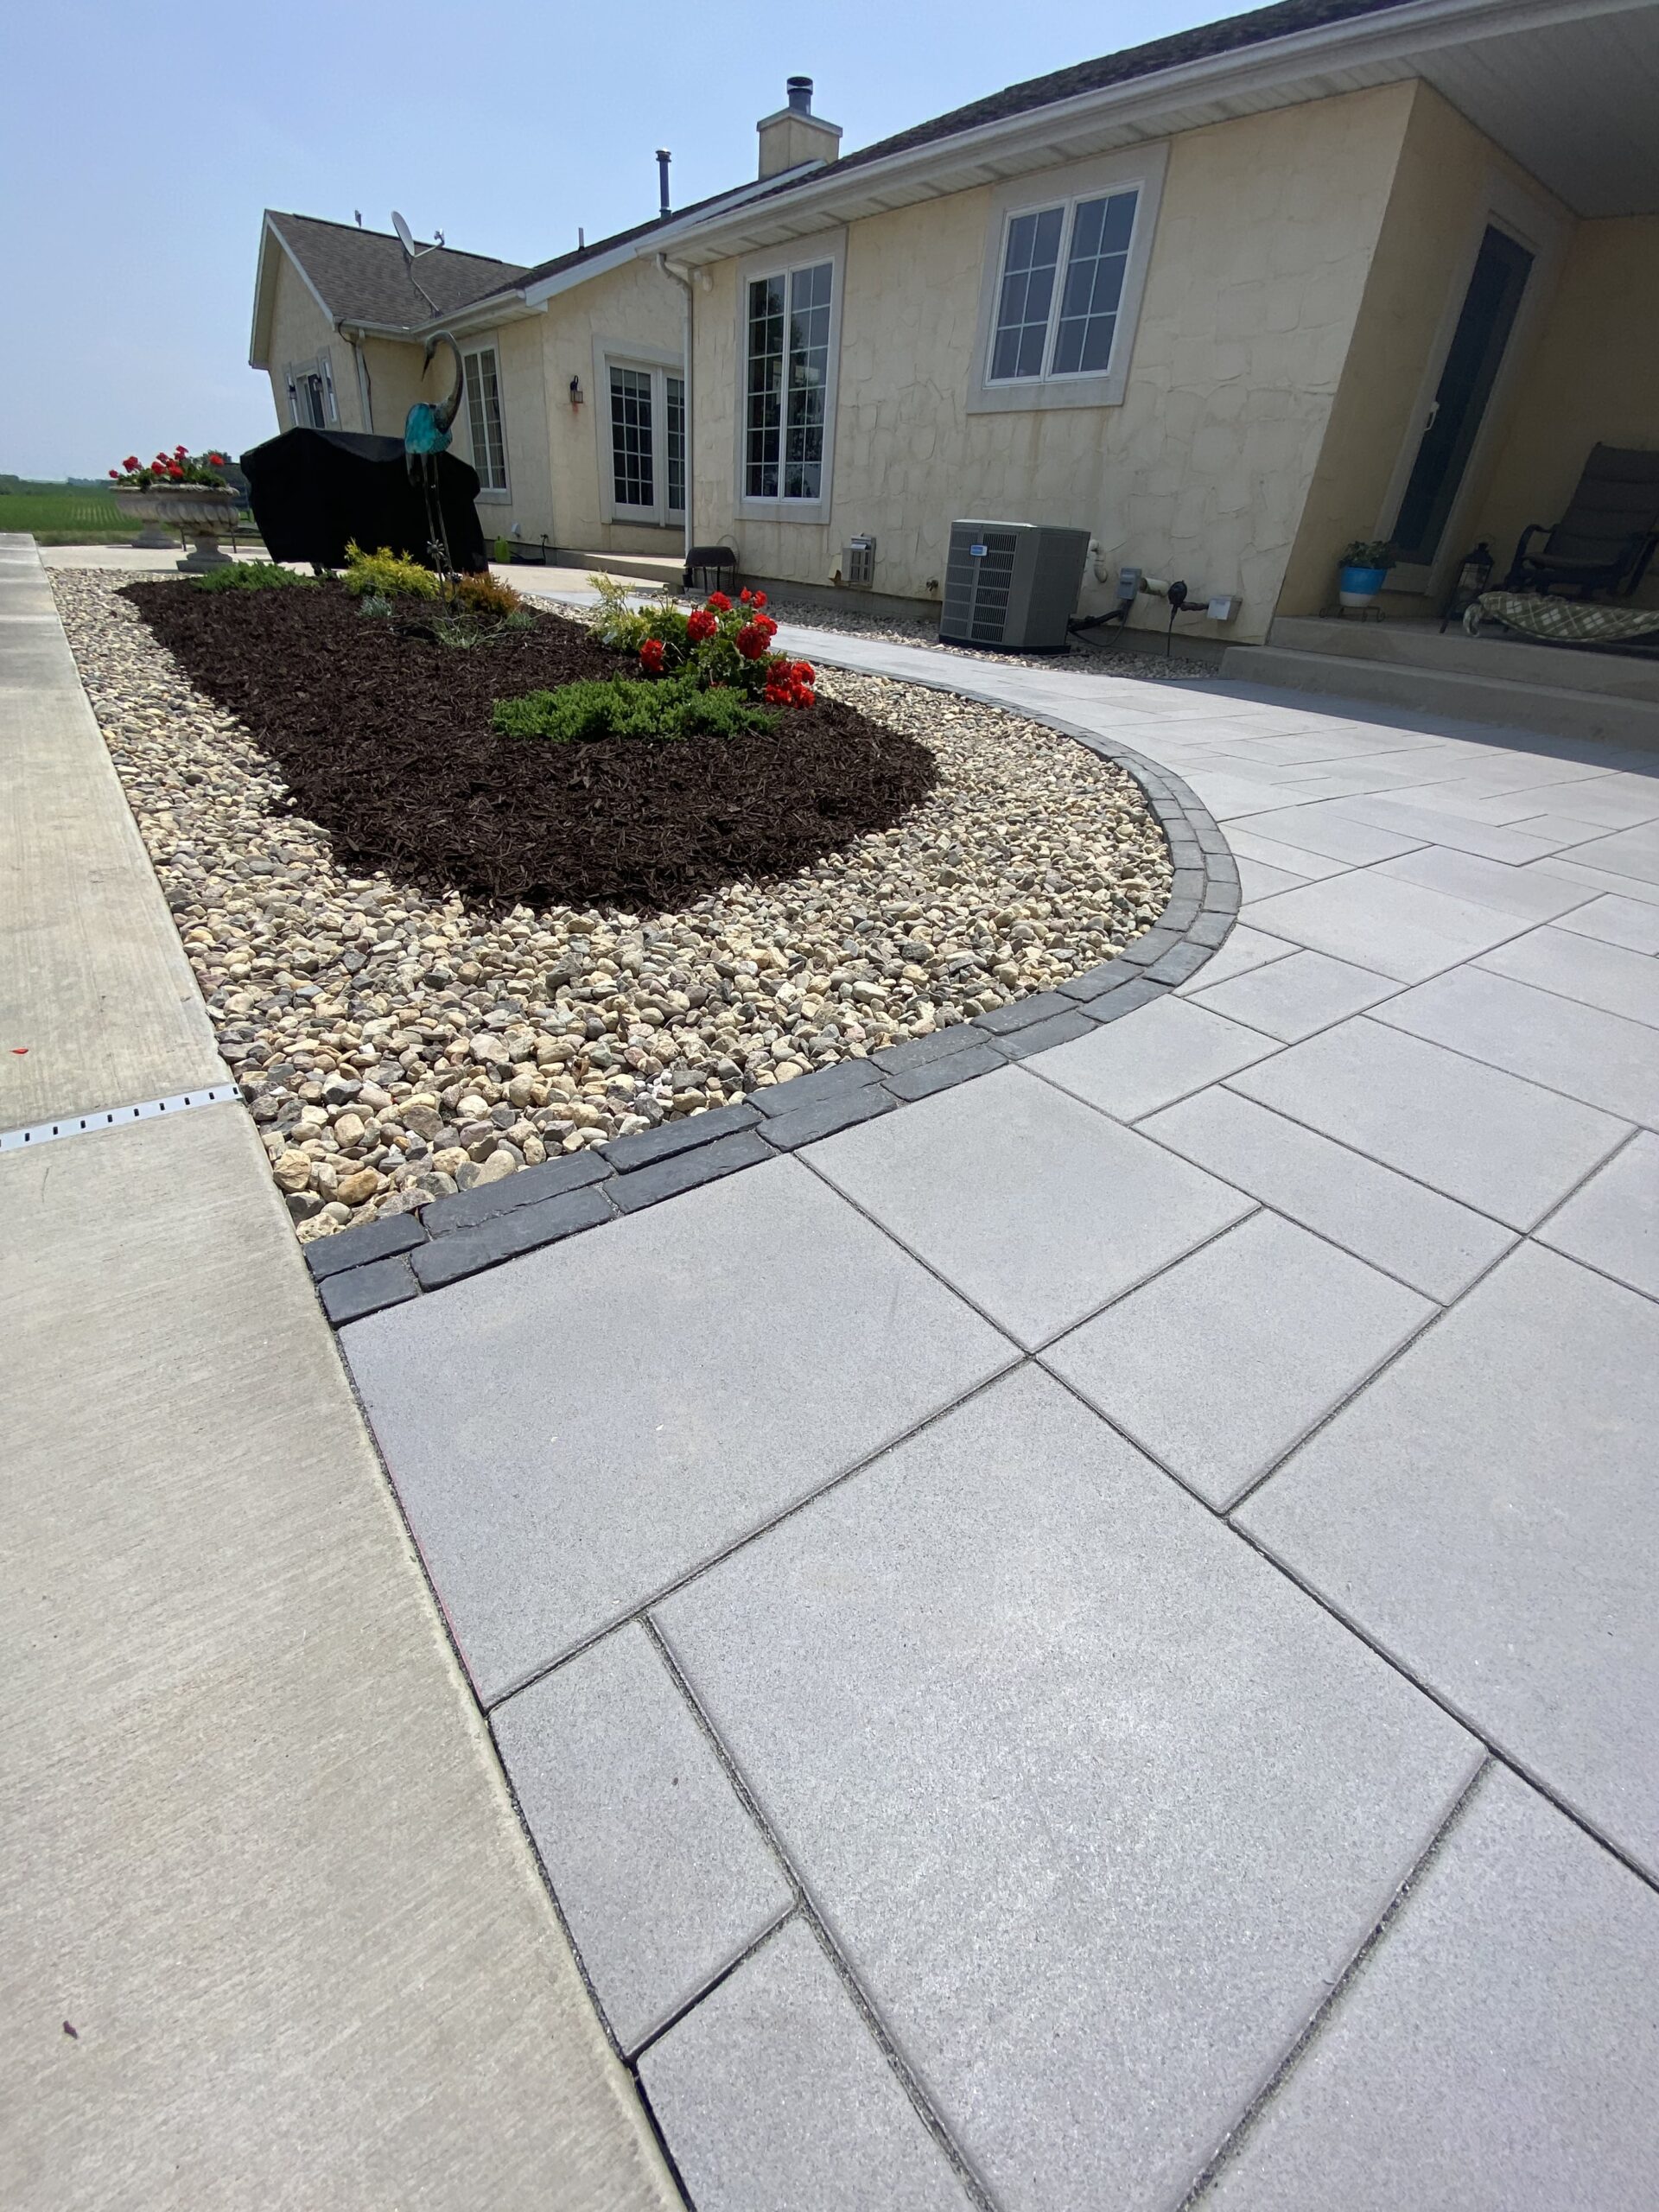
x=487 y=342
x=659 y=363
x=297 y=372
x=1142 y=169
x=811 y=252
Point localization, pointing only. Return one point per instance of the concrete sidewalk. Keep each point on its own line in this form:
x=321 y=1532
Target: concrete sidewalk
x=270 y=1933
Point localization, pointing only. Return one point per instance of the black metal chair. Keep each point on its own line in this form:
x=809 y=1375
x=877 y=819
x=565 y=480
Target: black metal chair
x=1606 y=539
x=704 y=561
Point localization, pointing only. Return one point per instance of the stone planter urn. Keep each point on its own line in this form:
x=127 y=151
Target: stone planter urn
x=199 y=510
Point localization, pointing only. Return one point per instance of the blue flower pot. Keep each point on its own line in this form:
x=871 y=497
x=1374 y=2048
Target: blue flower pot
x=1359 y=586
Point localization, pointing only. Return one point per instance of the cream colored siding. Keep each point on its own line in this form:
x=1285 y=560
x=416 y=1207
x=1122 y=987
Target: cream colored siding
x=1258 y=267
x=301 y=331
x=1445 y=176
x=635 y=306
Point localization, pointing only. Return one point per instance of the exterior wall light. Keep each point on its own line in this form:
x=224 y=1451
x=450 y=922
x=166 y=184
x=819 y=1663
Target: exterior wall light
x=576 y=391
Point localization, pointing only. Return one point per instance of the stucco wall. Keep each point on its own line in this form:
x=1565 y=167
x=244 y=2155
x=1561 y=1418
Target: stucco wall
x=1264 y=245
x=635 y=303
x=299 y=332
x=1442 y=188
x=1591 y=380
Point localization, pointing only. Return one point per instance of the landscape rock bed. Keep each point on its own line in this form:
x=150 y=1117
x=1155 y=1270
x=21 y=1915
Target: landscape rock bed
x=396 y=1045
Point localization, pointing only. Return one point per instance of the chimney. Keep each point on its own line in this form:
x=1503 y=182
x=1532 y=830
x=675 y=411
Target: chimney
x=795 y=136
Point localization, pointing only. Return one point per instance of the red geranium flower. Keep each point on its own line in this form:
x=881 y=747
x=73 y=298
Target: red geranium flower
x=751 y=641
x=701 y=624
x=719 y=601
x=180 y=451
x=760 y=598
x=650 y=656
x=175 y=472
x=131 y=461
x=115 y=473
x=804 y=672
x=743 y=596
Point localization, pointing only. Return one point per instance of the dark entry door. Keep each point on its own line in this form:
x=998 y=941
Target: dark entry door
x=1487 y=317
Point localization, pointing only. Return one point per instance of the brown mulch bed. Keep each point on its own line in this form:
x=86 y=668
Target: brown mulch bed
x=383 y=737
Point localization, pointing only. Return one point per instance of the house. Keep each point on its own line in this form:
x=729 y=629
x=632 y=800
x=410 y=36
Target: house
x=1336 y=268
x=1333 y=270
x=574 y=414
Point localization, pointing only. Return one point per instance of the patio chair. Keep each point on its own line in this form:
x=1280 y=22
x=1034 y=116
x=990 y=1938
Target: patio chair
x=704 y=561
x=1606 y=537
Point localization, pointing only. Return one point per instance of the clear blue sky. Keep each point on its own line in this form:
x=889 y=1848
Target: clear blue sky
x=142 y=137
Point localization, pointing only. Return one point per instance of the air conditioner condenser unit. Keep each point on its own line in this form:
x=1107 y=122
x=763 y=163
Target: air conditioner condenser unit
x=1012 y=585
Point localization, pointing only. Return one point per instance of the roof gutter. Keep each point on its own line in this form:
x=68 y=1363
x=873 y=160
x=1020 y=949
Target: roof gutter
x=1372 y=39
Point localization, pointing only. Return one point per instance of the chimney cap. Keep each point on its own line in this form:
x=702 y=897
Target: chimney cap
x=799 y=91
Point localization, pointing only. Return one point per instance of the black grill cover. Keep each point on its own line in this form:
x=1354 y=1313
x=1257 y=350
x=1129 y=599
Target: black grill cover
x=312 y=490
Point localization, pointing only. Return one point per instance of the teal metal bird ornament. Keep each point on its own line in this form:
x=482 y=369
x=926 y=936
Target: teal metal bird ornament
x=426 y=435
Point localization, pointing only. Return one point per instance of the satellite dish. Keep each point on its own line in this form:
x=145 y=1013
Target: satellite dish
x=405 y=236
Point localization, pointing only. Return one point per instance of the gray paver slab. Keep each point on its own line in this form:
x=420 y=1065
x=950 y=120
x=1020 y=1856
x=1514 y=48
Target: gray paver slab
x=1096 y=1801
x=1498 y=2051
x=1430 y=1243
x=1616 y=921
x=1245 y=949
x=1610 y=977
x=1501 y=884
x=572 y=1431
x=661 y=1874
x=1487 y=1511
x=1601 y=1059
x=1037 y=1208
x=1295 y=860
x=1435 y=825
x=772 y=2095
x=1613 y=1222
x=1401 y=930
x=1259 y=880
x=1628 y=852
x=1318 y=829
x=1218 y=1366
x=1159 y=1054
x=1488 y=1139
x=1290 y=999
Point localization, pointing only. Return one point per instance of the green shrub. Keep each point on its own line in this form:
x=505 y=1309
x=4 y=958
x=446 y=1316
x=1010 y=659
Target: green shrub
x=621 y=627
x=376 y=605
x=623 y=707
x=388 y=575
x=252 y=575
x=486 y=598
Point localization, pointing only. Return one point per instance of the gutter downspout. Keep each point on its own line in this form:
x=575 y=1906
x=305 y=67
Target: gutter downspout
x=364 y=400
x=677 y=277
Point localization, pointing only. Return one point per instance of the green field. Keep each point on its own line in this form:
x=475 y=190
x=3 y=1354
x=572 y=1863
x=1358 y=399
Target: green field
x=73 y=514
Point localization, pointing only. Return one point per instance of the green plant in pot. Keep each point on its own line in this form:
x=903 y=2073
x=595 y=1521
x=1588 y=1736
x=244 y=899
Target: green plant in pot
x=1363 y=570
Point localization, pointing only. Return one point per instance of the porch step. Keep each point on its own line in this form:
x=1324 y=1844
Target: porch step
x=1494 y=653
x=655 y=567
x=1530 y=705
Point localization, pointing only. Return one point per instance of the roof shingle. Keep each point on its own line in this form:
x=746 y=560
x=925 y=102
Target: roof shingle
x=364 y=276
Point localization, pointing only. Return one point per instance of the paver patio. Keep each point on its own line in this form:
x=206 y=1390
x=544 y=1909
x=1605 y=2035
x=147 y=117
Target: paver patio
x=1087 y=1642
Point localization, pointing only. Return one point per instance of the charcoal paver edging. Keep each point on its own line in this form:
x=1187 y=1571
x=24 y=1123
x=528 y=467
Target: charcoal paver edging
x=401 y=1256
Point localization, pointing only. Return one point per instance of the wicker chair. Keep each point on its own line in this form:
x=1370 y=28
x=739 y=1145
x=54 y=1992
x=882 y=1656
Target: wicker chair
x=1606 y=539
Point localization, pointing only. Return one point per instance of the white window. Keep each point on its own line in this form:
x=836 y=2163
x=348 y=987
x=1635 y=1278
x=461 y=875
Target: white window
x=642 y=456
x=484 y=419
x=1064 y=275
x=790 y=335
x=788 y=383
x=311 y=394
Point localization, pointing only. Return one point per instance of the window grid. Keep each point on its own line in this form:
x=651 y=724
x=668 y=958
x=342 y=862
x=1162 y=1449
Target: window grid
x=484 y=416
x=1041 y=332
x=787 y=384
x=674 y=451
x=633 y=477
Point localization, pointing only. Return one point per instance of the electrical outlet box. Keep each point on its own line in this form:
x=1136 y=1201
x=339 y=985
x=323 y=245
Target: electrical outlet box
x=1128 y=582
x=1222 y=607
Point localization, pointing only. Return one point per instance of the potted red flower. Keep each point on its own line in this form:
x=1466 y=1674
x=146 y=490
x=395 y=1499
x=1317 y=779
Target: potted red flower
x=182 y=492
